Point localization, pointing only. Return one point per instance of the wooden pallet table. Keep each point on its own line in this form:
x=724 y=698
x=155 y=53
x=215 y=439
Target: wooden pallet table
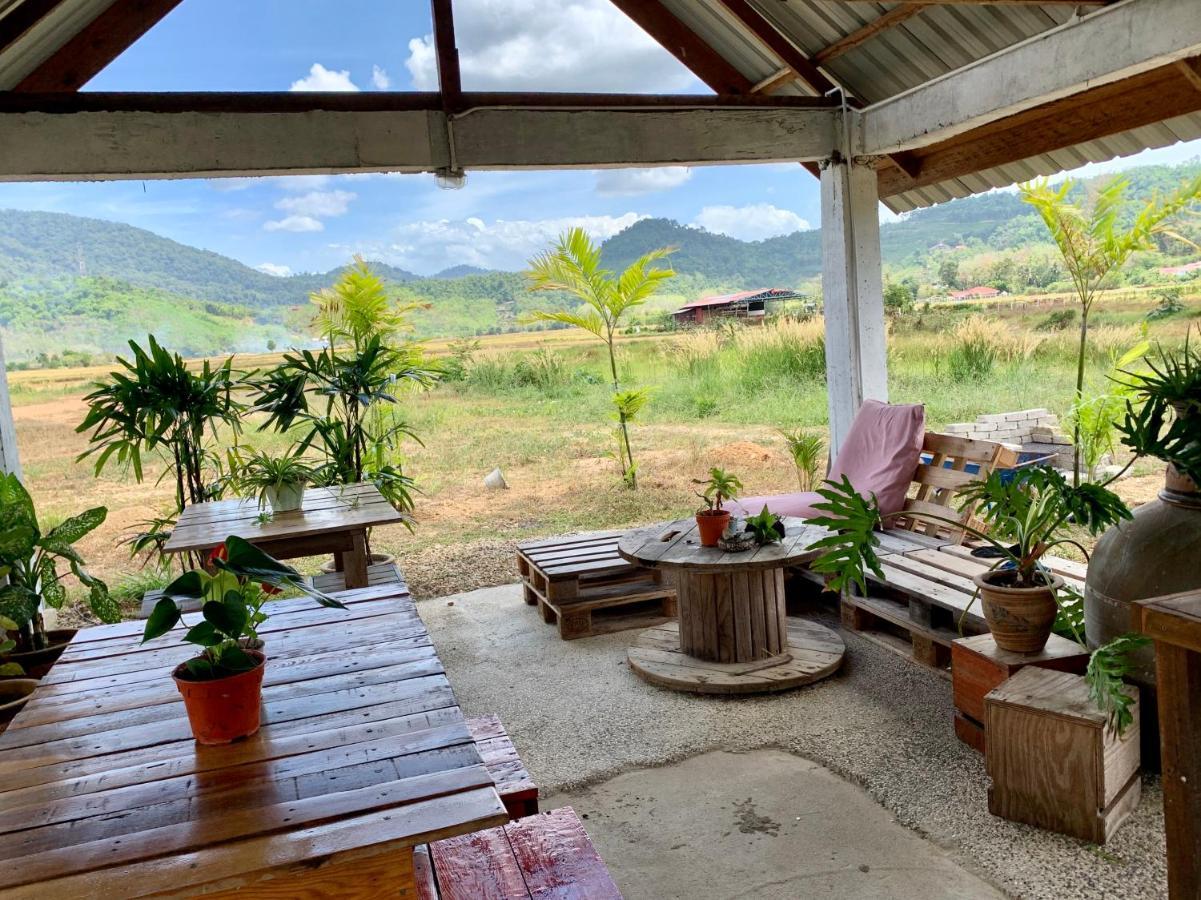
x=925 y=601
x=514 y=784
x=733 y=636
x=581 y=583
x=363 y=754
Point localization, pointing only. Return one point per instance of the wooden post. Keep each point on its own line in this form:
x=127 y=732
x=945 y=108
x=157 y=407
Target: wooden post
x=1178 y=673
x=9 y=461
x=852 y=292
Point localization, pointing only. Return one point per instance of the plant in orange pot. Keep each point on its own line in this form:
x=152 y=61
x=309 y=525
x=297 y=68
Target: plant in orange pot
x=222 y=686
x=713 y=519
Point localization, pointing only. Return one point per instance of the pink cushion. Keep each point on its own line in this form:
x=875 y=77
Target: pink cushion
x=880 y=455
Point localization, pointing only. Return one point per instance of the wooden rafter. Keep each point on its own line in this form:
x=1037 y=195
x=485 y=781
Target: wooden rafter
x=890 y=19
x=770 y=36
x=1191 y=69
x=450 y=80
x=994 y=2
x=685 y=45
x=104 y=39
x=23 y=17
x=1101 y=112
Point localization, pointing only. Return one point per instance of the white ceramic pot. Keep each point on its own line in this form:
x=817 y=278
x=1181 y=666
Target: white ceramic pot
x=285 y=497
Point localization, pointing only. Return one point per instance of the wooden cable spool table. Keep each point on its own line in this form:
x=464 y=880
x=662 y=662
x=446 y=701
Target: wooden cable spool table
x=733 y=635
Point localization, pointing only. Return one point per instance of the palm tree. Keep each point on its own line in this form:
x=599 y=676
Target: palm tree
x=1094 y=245
x=573 y=265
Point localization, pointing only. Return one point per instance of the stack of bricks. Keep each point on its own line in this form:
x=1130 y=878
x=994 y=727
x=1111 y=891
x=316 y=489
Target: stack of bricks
x=1032 y=430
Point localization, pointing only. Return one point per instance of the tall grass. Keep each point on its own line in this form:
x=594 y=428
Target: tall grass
x=542 y=369
x=975 y=350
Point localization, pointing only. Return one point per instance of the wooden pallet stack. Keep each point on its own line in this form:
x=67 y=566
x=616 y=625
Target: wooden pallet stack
x=582 y=584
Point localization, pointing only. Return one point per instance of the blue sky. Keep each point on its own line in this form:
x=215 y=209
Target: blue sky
x=499 y=219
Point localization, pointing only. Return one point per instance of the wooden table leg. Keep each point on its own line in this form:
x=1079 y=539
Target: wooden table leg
x=355 y=561
x=1178 y=674
x=732 y=616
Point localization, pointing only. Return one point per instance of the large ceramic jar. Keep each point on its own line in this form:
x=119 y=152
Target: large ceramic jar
x=1158 y=552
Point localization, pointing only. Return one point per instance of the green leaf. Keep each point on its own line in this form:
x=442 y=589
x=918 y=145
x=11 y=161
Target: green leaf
x=246 y=560
x=203 y=634
x=200 y=668
x=51 y=588
x=1106 y=669
x=8 y=624
x=11 y=670
x=106 y=609
x=188 y=586
x=76 y=527
x=18 y=604
x=236 y=659
x=228 y=618
x=162 y=619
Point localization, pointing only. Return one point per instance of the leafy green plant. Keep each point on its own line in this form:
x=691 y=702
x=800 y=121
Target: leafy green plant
x=1163 y=419
x=1169 y=302
x=30 y=560
x=766 y=526
x=256 y=472
x=1107 y=667
x=807 y=451
x=1095 y=418
x=719 y=487
x=573 y=266
x=849 y=551
x=1095 y=244
x=233 y=597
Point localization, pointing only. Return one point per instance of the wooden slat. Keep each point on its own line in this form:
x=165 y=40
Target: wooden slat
x=781 y=46
x=557 y=858
x=881 y=23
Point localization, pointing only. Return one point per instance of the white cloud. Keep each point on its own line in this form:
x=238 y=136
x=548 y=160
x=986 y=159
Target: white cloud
x=317 y=204
x=432 y=245
x=379 y=78
x=274 y=269
x=633 y=182
x=750 y=223
x=562 y=45
x=322 y=79
x=294 y=223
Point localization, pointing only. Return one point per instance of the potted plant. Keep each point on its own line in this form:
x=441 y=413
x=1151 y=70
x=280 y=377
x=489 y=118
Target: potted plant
x=713 y=519
x=277 y=481
x=222 y=685
x=767 y=527
x=1027 y=514
x=29 y=560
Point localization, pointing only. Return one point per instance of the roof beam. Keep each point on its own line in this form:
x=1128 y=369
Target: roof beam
x=890 y=19
x=684 y=44
x=450 y=79
x=1191 y=70
x=770 y=37
x=994 y=2
x=105 y=38
x=18 y=23
x=89 y=136
x=1099 y=113
x=1137 y=36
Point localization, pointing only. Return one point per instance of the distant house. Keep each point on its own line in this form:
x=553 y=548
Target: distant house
x=1181 y=271
x=743 y=305
x=980 y=292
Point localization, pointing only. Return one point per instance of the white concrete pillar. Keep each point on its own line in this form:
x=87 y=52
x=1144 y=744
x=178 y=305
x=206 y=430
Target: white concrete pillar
x=9 y=462
x=853 y=292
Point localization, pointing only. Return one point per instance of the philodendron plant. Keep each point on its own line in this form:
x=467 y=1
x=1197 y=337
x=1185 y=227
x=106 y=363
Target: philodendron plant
x=30 y=558
x=1027 y=514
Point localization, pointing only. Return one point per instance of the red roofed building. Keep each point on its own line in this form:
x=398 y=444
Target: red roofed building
x=977 y=293
x=744 y=305
x=1181 y=271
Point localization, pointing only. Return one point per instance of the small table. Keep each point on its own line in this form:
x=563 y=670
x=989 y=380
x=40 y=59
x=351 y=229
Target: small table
x=362 y=755
x=331 y=520
x=733 y=635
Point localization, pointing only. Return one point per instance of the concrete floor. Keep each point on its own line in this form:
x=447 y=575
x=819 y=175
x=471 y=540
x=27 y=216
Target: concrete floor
x=867 y=760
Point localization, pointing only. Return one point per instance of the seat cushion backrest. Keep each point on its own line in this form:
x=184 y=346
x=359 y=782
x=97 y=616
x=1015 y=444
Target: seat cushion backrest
x=881 y=452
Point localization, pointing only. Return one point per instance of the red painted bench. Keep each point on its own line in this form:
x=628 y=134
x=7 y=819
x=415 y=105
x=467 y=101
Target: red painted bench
x=540 y=856
x=517 y=790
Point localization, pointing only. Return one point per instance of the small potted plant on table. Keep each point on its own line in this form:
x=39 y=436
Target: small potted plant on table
x=1027 y=513
x=29 y=560
x=222 y=685
x=277 y=482
x=713 y=519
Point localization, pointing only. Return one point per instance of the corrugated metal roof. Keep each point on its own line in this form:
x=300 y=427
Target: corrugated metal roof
x=37 y=45
x=937 y=40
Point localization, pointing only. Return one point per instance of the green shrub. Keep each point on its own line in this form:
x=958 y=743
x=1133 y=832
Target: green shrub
x=1059 y=320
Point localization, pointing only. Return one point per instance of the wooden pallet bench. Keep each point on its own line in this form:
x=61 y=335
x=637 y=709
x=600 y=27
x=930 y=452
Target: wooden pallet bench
x=581 y=583
x=925 y=601
x=541 y=856
x=514 y=784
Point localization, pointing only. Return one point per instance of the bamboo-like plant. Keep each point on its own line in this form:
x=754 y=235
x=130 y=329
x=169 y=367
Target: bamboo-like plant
x=573 y=265
x=805 y=448
x=1095 y=244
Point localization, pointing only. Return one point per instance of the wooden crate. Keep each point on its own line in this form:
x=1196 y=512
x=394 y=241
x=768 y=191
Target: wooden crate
x=978 y=666
x=581 y=583
x=1052 y=760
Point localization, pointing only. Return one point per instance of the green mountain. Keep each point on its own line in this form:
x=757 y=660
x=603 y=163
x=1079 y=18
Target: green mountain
x=69 y=283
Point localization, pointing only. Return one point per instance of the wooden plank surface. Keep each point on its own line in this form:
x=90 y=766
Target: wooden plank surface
x=677 y=544
x=362 y=750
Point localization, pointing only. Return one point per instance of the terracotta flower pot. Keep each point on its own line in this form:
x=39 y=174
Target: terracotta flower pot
x=711 y=524
x=37 y=663
x=14 y=694
x=1020 y=618
x=225 y=709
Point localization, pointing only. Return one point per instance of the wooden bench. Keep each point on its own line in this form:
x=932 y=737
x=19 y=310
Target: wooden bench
x=541 y=856
x=580 y=582
x=517 y=790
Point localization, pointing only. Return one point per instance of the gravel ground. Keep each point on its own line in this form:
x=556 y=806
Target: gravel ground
x=579 y=717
